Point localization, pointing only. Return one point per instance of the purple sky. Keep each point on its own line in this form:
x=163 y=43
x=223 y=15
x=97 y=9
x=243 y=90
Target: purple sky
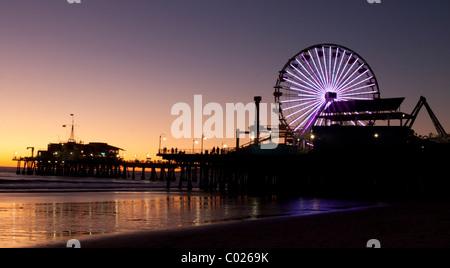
x=120 y=65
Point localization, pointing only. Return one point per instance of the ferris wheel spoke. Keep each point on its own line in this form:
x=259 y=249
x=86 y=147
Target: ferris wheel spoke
x=295 y=92
x=325 y=72
x=311 y=112
x=343 y=70
x=294 y=121
x=330 y=74
x=345 y=83
x=311 y=117
x=324 y=52
x=308 y=82
x=355 y=98
x=322 y=74
x=317 y=83
x=349 y=93
x=346 y=77
x=327 y=65
x=339 y=72
x=319 y=78
x=312 y=87
x=350 y=85
x=358 y=93
x=298 y=100
x=349 y=89
x=334 y=67
x=307 y=114
x=292 y=96
x=298 y=105
x=301 y=110
x=305 y=96
x=304 y=89
x=304 y=92
x=300 y=85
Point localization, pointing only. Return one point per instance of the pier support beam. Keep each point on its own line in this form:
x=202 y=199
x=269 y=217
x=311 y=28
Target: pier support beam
x=182 y=177
x=154 y=175
x=19 y=163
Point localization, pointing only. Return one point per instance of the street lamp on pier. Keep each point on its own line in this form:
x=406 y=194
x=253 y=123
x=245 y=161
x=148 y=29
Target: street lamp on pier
x=161 y=137
x=194 y=142
x=203 y=139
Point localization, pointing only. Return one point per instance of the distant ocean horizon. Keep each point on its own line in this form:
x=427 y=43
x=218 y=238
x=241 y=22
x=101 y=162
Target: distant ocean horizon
x=8 y=169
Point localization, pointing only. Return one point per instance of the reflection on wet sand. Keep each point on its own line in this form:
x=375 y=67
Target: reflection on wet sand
x=33 y=223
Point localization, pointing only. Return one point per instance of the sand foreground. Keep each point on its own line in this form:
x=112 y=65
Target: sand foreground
x=415 y=224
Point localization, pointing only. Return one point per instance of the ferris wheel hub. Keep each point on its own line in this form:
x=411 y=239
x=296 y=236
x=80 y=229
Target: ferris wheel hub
x=330 y=96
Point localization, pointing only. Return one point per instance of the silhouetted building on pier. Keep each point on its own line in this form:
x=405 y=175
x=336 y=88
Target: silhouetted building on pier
x=351 y=125
x=72 y=151
x=77 y=159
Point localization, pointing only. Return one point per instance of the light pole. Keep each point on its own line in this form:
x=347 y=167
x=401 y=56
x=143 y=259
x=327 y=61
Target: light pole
x=257 y=102
x=203 y=139
x=163 y=137
x=194 y=142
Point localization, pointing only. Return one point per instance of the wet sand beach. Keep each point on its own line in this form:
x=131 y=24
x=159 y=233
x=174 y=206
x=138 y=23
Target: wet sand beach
x=158 y=219
x=414 y=224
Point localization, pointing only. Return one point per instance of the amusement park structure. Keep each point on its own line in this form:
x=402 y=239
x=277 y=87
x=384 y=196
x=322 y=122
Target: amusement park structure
x=329 y=96
x=317 y=77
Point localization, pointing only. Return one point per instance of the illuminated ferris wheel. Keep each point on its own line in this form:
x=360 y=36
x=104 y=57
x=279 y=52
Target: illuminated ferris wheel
x=315 y=78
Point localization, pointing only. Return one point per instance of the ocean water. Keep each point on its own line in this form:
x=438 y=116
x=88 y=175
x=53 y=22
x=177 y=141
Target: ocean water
x=37 y=210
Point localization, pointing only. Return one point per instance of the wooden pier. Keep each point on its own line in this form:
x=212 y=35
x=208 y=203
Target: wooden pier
x=415 y=169
x=225 y=171
x=158 y=170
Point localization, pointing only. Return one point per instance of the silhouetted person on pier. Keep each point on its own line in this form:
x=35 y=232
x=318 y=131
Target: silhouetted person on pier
x=213 y=150
x=173 y=150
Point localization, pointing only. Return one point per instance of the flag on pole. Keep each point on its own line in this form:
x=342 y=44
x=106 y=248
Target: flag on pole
x=64 y=126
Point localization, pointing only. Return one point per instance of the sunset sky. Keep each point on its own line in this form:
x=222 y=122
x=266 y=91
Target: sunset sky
x=120 y=65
